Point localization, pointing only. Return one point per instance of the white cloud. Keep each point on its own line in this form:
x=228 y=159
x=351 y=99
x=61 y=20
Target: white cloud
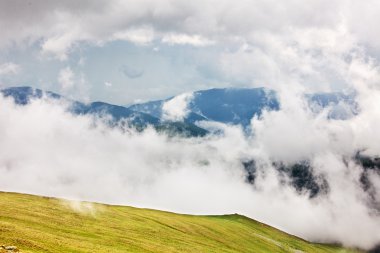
x=9 y=68
x=176 y=109
x=58 y=46
x=183 y=39
x=60 y=25
x=142 y=35
x=108 y=84
x=73 y=86
x=66 y=79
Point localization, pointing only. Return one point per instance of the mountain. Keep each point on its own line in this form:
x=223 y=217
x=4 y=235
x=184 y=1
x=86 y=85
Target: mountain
x=40 y=224
x=139 y=120
x=238 y=106
x=230 y=105
x=118 y=113
x=23 y=95
x=233 y=106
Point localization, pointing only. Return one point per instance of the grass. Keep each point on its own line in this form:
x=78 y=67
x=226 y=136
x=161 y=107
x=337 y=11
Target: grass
x=41 y=224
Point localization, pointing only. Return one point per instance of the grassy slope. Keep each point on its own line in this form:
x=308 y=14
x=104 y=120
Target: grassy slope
x=40 y=224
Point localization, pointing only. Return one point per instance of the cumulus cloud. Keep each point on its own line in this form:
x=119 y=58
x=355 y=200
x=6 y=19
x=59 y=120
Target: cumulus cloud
x=61 y=25
x=176 y=109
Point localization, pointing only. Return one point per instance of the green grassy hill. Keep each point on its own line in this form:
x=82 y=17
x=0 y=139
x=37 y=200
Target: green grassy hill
x=40 y=224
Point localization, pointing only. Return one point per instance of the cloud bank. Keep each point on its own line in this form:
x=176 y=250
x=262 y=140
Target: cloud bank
x=60 y=25
x=47 y=151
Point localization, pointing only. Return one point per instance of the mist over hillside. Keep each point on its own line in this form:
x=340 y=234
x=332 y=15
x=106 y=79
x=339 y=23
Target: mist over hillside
x=269 y=109
x=301 y=164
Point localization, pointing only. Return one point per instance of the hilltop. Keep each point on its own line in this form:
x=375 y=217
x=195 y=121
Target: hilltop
x=41 y=224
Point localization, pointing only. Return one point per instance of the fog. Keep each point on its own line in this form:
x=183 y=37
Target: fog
x=293 y=47
x=177 y=108
x=48 y=151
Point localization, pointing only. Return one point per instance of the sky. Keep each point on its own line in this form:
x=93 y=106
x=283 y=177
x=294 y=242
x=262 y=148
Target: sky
x=130 y=51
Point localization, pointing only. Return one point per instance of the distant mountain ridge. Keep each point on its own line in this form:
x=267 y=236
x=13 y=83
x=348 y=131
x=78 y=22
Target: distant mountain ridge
x=229 y=105
x=139 y=120
x=236 y=106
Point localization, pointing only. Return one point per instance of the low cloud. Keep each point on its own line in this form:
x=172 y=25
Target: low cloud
x=49 y=151
x=81 y=207
x=176 y=109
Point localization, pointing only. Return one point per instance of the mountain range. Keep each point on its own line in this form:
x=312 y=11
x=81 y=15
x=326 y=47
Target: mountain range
x=234 y=106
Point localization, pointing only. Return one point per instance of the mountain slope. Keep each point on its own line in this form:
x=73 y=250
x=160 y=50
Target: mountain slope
x=236 y=106
x=41 y=224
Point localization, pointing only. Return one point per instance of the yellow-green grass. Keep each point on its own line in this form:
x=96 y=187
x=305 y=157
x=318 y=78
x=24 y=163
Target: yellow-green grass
x=41 y=224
